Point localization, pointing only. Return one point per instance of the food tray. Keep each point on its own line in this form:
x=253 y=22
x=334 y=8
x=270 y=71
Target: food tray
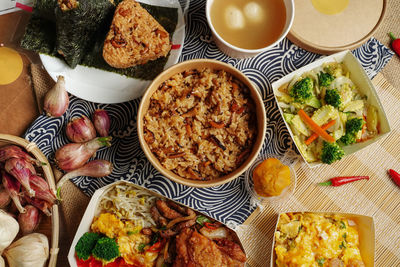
x=92 y=210
x=366 y=231
x=46 y=222
x=365 y=86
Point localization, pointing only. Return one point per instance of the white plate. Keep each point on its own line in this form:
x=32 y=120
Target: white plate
x=107 y=87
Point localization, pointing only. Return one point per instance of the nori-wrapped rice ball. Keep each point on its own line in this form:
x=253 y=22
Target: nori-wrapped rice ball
x=78 y=22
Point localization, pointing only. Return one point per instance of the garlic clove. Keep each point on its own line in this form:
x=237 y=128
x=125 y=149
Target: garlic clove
x=29 y=221
x=9 y=229
x=56 y=100
x=101 y=122
x=28 y=251
x=80 y=129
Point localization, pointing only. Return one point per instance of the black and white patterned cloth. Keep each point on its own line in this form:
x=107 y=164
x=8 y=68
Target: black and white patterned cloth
x=228 y=203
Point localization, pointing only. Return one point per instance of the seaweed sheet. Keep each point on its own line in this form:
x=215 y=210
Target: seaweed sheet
x=77 y=28
x=40 y=36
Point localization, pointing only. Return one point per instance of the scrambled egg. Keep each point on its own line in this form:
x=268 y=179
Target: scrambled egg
x=128 y=237
x=307 y=239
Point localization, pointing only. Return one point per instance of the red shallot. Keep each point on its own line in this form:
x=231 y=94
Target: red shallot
x=75 y=155
x=42 y=190
x=56 y=100
x=13 y=187
x=21 y=170
x=29 y=221
x=80 y=130
x=101 y=122
x=12 y=151
x=4 y=197
x=94 y=168
x=41 y=204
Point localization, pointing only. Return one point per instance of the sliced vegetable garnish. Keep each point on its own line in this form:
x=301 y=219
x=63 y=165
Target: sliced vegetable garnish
x=324 y=127
x=202 y=219
x=314 y=127
x=210 y=226
x=338 y=181
x=141 y=247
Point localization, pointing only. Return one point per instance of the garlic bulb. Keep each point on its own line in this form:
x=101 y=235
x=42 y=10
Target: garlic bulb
x=8 y=230
x=28 y=251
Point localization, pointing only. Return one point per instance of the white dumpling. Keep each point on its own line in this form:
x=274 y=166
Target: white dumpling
x=234 y=18
x=253 y=12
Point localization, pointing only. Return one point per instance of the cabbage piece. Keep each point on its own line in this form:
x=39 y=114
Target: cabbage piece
x=300 y=126
x=307 y=154
x=354 y=106
x=324 y=114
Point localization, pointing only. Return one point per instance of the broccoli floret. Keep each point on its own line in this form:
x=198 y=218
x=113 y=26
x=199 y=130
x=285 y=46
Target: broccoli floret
x=332 y=98
x=354 y=125
x=325 y=79
x=85 y=245
x=331 y=152
x=106 y=250
x=302 y=90
x=348 y=139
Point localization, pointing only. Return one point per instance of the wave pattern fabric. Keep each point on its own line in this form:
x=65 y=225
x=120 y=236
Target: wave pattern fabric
x=229 y=203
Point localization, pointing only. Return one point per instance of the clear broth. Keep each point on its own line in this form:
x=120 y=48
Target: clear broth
x=248 y=24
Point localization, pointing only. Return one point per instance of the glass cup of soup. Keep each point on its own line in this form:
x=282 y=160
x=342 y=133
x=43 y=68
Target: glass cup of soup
x=245 y=28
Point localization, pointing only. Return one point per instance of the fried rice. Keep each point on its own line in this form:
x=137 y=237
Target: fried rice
x=201 y=124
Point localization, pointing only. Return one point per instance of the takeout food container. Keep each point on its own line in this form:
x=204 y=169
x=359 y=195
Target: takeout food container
x=365 y=86
x=48 y=225
x=366 y=231
x=200 y=64
x=237 y=52
x=93 y=210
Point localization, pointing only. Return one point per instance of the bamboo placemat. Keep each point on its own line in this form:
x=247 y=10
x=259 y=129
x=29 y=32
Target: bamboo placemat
x=379 y=197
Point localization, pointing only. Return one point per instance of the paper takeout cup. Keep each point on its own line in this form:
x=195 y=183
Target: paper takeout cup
x=366 y=231
x=93 y=210
x=364 y=85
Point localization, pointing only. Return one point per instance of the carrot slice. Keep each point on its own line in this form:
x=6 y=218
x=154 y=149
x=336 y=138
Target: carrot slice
x=315 y=136
x=314 y=127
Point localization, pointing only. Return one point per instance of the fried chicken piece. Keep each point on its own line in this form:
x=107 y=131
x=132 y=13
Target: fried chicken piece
x=194 y=249
x=232 y=249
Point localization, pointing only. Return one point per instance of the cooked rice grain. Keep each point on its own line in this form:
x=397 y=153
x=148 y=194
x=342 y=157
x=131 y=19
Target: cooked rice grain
x=201 y=124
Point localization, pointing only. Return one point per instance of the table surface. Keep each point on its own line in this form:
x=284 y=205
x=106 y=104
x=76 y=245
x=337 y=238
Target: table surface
x=75 y=202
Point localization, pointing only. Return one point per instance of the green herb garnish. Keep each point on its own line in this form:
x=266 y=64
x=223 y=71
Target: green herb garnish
x=343 y=245
x=202 y=219
x=321 y=261
x=342 y=225
x=141 y=247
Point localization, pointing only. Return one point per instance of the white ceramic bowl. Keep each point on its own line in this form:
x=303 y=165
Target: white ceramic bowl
x=237 y=52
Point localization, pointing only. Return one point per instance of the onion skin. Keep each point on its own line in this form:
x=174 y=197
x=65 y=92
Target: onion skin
x=29 y=221
x=80 y=130
x=41 y=204
x=75 y=155
x=94 y=168
x=56 y=100
x=42 y=190
x=101 y=122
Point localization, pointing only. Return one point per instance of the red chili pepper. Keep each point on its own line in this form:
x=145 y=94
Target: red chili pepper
x=157 y=247
x=395 y=176
x=338 y=181
x=395 y=43
x=210 y=226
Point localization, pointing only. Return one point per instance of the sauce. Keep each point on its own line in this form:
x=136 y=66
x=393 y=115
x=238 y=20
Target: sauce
x=330 y=7
x=247 y=24
x=11 y=65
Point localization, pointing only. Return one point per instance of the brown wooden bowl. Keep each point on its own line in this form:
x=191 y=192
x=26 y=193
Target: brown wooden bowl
x=48 y=226
x=200 y=64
